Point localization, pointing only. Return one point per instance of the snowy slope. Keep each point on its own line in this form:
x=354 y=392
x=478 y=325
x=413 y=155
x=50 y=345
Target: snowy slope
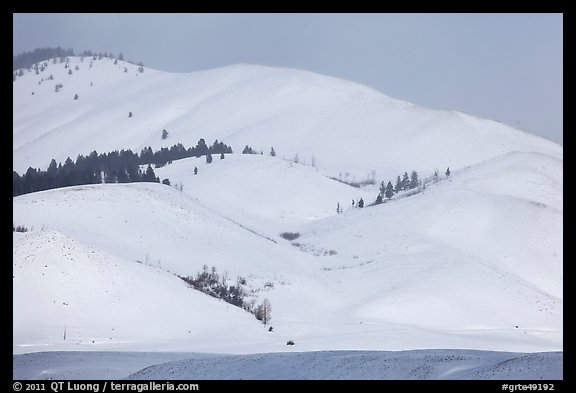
x=365 y=365
x=348 y=128
x=270 y=193
x=422 y=364
x=465 y=253
x=468 y=263
x=475 y=261
x=66 y=365
x=69 y=296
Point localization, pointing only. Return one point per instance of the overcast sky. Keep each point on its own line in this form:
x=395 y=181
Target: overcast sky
x=506 y=67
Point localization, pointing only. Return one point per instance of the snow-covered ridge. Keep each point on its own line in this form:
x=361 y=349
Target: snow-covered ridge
x=347 y=127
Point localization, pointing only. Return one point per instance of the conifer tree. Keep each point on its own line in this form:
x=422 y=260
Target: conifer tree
x=398 y=187
x=150 y=176
x=405 y=181
x=382 y=188
x=414 y=179
x=389 y=190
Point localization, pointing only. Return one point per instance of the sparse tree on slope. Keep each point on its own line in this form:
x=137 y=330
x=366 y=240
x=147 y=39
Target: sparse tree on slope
x=448 y=172
x=414 y=181
x=361 y=203
x=398 y=187
x=164 y=134
x=264 y=312
x=382 y=188
x=389 y=190
x=405 y=181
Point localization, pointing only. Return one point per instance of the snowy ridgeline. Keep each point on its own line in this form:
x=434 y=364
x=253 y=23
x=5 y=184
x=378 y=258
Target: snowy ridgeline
x=419 y=364
x=335 y=125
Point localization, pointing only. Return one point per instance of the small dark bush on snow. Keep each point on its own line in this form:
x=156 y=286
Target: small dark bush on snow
x=290 y=342
x=290 y=235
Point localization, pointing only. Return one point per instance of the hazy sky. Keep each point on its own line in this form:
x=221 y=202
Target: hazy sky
x=506 y=67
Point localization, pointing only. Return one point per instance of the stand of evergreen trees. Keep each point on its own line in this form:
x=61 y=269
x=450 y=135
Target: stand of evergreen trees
x=27 y=60
x=402 y=183
x=165 y=156
x=115 y=167
x=38 y=59
x=406 y=183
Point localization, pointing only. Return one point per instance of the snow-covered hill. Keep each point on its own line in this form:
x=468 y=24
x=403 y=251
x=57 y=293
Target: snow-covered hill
x=422 y=364
x=460 y=265
x=406 y=365
x=348 y=128
x=475 y=261
x=70 y=296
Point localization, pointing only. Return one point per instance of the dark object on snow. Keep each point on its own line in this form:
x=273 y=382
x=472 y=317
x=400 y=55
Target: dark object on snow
x=270 y=329
x=290 y=342
x=290 y=235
